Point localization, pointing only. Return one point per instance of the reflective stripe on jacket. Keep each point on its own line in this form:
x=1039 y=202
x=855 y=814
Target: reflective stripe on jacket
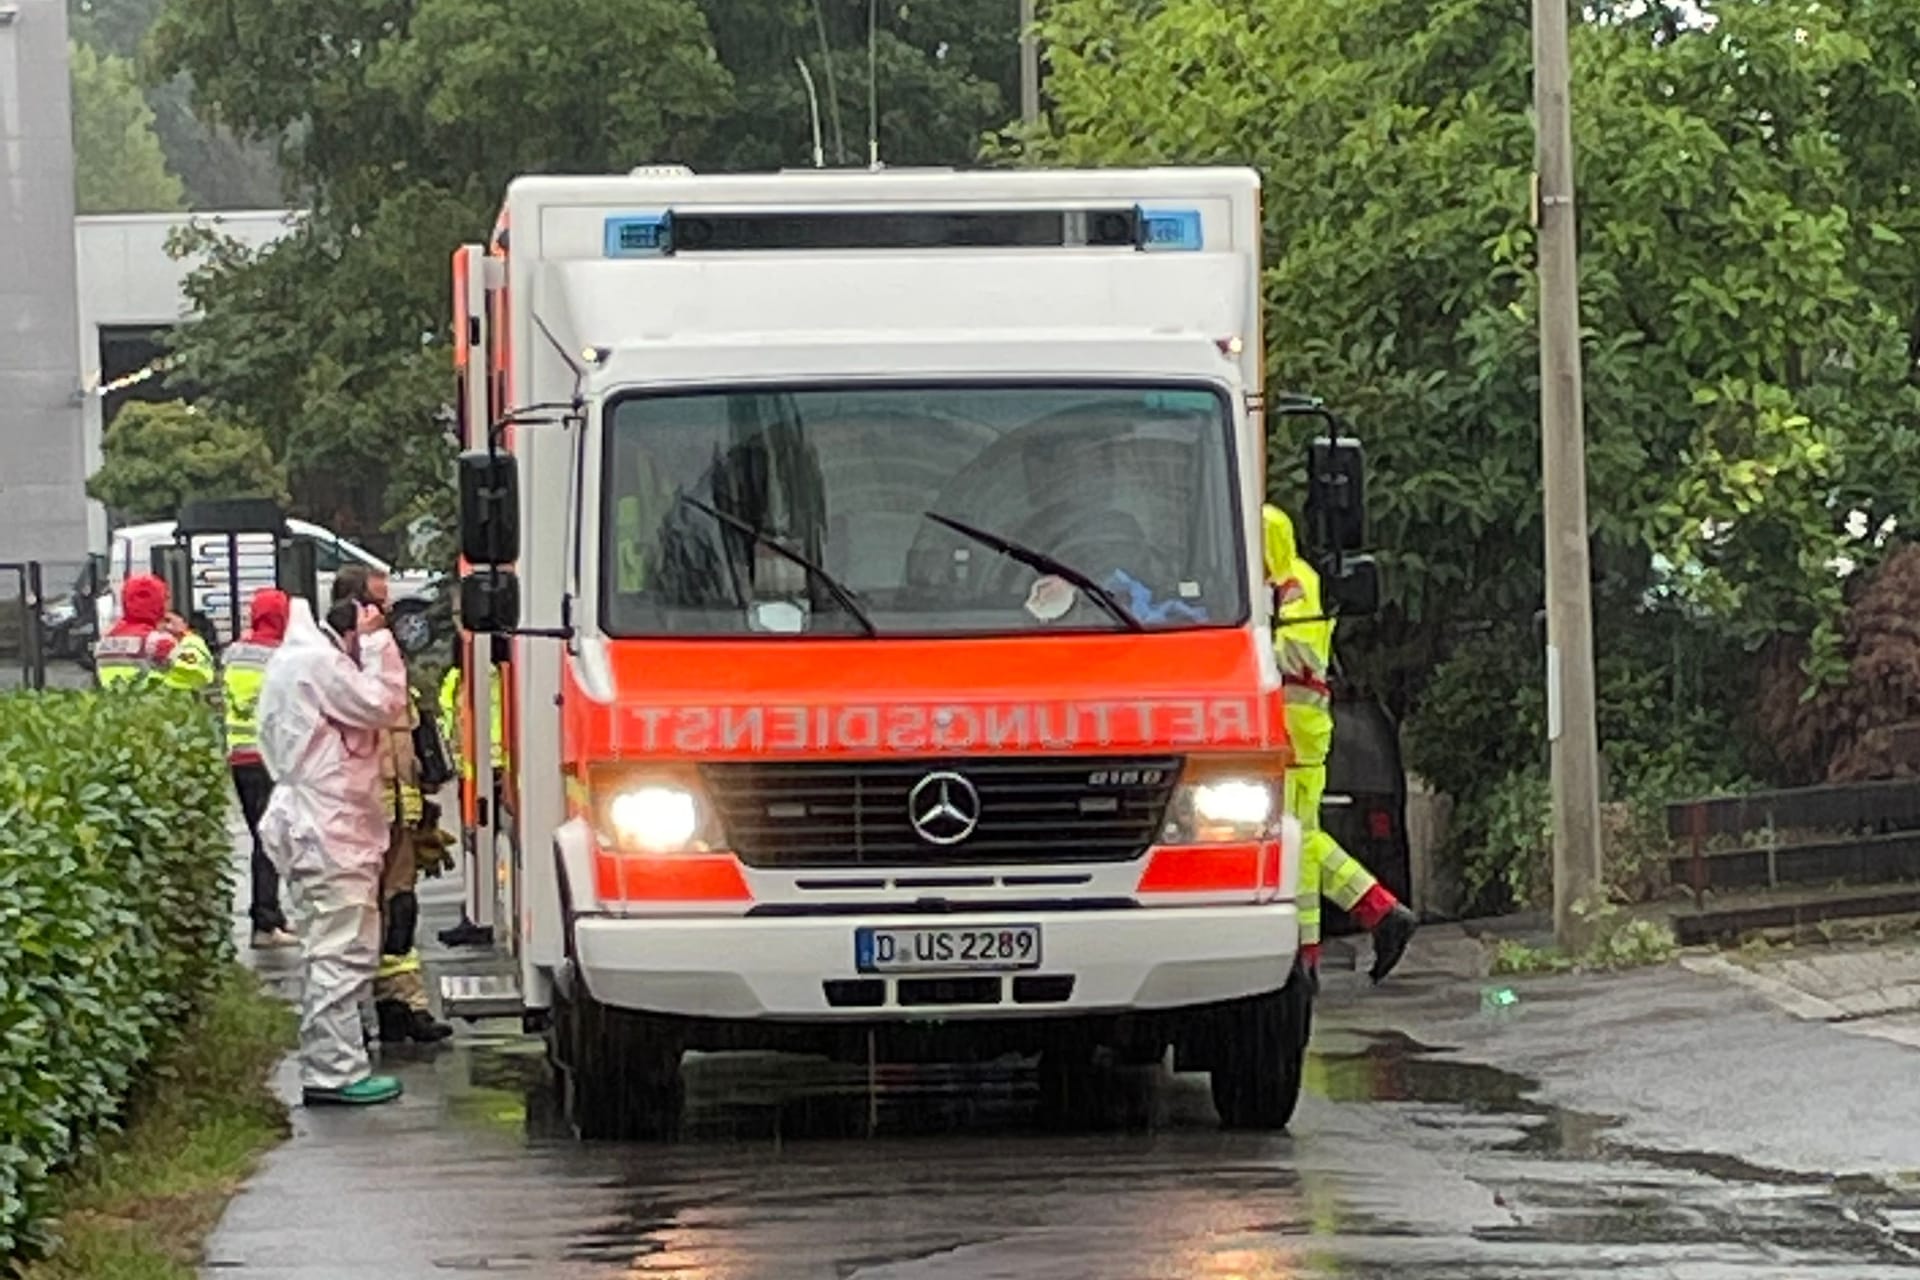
x=243 y=669
x=1303 y=647
x=399 y=770
x=127 y=657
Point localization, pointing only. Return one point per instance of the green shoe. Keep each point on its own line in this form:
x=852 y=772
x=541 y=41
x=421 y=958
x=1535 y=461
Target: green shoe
x=361 y=1093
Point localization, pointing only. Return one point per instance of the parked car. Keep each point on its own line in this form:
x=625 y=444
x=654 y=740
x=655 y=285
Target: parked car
x=131 y=551
x=69 y=621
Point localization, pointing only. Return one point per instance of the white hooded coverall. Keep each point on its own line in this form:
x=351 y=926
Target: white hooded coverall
x=320 y=718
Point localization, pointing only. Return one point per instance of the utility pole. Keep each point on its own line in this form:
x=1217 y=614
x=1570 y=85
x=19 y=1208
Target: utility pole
x=1029 y=66
x=1571 y=730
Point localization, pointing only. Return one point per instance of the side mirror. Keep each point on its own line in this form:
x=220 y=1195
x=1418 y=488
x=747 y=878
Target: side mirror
x=489 y=510
x=490 y=602
x=1353 y=591
x=1336 y=506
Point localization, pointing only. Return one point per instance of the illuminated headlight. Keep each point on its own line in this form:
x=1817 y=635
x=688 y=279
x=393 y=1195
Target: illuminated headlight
x=655 y=818
x=1224 y=810
x=1236 y=801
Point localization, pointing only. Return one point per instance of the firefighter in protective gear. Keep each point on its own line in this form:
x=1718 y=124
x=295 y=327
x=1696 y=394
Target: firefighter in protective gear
x=400 y=995
x=145 y=645
x=243 y=667
x=324 y=704
x=1303 y=645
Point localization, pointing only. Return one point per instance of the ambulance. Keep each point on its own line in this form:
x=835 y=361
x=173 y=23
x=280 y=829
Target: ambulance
x=869 y=567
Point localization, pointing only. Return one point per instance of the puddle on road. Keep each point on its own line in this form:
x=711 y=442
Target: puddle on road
x=504 y=1085
x=763 y=1177
x=1395 y=1068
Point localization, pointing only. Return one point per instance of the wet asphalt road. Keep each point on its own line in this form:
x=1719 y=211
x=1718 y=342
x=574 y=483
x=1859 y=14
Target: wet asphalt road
x=1653 y=1125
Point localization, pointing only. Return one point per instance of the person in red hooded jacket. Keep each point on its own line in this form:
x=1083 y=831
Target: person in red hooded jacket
x=243 y=671
x=145 y=643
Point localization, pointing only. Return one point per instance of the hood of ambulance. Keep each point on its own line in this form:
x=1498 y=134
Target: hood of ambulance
x=1176 y=691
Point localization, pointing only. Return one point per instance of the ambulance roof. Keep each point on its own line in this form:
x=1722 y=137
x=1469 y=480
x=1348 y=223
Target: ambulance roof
x=616 y=263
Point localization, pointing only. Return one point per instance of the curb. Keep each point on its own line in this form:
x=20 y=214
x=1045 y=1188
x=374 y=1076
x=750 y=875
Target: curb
x=1806 y=1007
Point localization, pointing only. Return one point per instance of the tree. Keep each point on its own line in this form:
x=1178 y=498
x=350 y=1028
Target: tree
x=405 y=119
x=1748 y=276
x=113 y=27
x=333 y=342
x=118 y=164
x=157 y=455
x=948 y=72
x=218 y=170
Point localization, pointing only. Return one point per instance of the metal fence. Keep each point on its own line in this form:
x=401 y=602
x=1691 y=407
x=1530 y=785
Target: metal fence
x=23 y=658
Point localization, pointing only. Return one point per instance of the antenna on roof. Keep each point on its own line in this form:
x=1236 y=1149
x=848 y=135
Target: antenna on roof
x=873 y=85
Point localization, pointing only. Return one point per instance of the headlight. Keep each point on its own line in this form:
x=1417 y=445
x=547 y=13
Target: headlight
x=1224 y=810
x=655 y=817
x=1234 y=801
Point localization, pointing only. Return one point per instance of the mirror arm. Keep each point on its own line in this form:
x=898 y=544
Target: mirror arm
x=531 y=415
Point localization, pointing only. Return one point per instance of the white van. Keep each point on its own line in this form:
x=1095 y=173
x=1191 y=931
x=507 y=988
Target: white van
x=130 y=551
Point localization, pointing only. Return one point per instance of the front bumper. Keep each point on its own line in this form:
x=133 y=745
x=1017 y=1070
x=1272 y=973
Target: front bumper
x=778 y=968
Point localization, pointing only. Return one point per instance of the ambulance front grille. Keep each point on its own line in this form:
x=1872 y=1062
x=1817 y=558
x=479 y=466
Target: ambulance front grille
x=1027 y=810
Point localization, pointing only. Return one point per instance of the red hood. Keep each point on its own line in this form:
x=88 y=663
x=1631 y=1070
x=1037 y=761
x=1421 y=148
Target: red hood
x=143 y=600
x=1119 y=693
x=269 y=616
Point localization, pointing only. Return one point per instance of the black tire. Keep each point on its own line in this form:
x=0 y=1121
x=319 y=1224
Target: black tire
x=619 y=1071
x=1260 y=1056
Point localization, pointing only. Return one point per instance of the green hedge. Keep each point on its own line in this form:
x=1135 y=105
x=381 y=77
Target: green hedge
x=114 y=916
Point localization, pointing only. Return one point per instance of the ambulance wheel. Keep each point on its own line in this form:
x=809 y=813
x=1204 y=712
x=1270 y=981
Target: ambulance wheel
x=1260 y=1056
x=619 y=1071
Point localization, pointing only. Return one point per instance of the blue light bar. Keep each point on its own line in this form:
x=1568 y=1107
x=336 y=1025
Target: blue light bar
x=1170 y=230
x=639 y=235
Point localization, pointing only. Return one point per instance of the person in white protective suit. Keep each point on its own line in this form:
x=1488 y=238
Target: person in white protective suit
x=327 y=695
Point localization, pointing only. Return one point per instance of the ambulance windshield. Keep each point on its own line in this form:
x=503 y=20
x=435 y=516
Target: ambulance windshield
x=811 y=511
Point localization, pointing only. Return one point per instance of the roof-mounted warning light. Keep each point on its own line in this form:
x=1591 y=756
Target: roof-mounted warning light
x=639 y=235
x=1170 y=229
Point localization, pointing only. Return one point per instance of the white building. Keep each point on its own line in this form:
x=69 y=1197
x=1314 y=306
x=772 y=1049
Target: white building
x=130 y=292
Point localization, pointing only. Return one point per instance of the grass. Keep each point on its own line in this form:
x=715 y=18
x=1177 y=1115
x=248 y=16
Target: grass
x=142 y=1205
x=1512 y=957
x=1616 y=941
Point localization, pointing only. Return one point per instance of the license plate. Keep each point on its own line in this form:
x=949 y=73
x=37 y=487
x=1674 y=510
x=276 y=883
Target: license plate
x=947 y=949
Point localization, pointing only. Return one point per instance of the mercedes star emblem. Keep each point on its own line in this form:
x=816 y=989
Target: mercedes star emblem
x=944 y=808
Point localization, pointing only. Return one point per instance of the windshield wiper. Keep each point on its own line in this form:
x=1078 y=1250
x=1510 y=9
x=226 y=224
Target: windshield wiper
x=837 y=589
x=1041 y=562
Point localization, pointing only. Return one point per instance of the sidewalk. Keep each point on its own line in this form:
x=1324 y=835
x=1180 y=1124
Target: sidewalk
x=1865 y=990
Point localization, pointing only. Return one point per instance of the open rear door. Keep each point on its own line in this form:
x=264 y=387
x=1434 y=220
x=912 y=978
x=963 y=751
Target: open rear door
x=479 y=801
